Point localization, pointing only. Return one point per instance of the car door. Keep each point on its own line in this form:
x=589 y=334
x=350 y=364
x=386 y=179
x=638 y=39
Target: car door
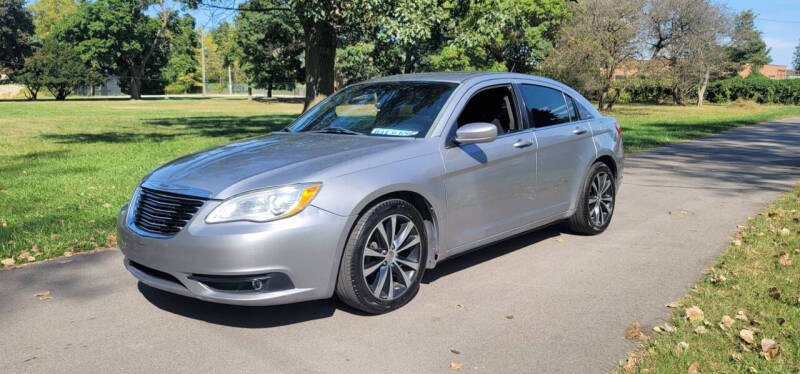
x=565 y=147
x=488 y=185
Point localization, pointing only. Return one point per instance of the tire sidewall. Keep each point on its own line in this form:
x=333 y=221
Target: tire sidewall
x=364 y=227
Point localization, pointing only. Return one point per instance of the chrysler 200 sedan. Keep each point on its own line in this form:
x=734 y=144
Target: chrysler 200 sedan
x=371 y=187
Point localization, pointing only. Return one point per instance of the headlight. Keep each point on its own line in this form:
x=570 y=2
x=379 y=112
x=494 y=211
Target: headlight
x=265 y=205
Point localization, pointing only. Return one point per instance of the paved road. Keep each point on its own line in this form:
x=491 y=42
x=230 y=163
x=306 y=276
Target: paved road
x=571 y=299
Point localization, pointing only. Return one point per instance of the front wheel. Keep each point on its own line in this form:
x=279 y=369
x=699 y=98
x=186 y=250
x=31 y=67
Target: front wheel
x=595 y=204
x=384 y=258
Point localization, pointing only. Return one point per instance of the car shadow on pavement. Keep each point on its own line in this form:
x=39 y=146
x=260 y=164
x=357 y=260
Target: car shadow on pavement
x=244 y=316
x=281 y=315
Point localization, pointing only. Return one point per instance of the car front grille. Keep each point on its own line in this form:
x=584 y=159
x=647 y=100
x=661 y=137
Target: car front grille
x=164 y=213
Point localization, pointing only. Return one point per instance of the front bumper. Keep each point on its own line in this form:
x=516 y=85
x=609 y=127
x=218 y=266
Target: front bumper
x=304 y=248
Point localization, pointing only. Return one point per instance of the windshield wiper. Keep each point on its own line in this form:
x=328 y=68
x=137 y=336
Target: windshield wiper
x=338 y=130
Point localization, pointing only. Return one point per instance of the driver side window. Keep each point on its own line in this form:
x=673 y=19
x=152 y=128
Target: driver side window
x=493 y=105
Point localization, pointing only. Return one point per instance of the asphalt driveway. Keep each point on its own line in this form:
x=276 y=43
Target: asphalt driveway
x=570 y=297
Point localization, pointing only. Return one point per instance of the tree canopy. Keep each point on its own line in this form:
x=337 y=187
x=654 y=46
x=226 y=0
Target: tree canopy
x=16 y=35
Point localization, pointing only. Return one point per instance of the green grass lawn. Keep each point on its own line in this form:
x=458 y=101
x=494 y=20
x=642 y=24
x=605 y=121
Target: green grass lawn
x=756 y=284
x=67 y=167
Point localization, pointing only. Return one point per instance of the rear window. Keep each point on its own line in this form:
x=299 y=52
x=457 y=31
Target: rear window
x=546 y=106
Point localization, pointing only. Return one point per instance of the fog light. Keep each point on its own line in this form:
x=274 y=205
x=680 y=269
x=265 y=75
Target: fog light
x=257 y=284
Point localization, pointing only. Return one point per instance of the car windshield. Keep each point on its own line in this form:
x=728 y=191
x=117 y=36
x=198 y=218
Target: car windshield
x=402 y=109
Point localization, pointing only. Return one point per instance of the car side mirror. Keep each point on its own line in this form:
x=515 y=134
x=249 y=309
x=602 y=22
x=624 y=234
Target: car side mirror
x=476 y=132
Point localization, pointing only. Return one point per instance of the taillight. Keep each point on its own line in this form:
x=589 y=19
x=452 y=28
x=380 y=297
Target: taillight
x=619 y=129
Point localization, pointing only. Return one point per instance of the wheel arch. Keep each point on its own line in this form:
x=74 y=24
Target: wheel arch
x=425 y=208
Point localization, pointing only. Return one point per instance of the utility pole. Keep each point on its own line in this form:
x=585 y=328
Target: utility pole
x=230 y=82
x=203 y=58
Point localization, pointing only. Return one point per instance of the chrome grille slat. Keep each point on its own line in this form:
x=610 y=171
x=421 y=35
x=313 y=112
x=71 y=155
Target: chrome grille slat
x=164 y=213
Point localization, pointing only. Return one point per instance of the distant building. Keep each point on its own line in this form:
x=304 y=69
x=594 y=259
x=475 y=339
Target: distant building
x=792 y=74
x=777 y=72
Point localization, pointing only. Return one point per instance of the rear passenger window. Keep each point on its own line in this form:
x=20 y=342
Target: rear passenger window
x=573 y=109
x=584 y=112
x=546 y=106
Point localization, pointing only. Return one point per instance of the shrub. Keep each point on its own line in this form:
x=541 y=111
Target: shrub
x=57 y=67
x=755 y=87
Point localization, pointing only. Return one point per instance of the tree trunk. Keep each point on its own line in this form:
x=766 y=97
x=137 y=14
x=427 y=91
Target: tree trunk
x=136 y=82
x=249 y=92
x=269 y=90
x=701 y=92
x=320 y=56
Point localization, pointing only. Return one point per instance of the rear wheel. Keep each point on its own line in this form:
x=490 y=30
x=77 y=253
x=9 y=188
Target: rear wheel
x=596 y=203
x=384 y=258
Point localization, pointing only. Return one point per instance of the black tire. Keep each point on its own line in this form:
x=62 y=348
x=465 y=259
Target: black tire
x=584 y=221
x=352 y=286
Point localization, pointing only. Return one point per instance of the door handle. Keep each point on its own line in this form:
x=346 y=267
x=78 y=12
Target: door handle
x=579 y=131
x=522 y=143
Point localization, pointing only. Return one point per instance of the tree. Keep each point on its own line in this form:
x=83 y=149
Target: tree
x=16 y=36
x=796 y=59
x=685 y=40
x=322 y=22
x=182 y=64
x=271 y=45
x=229 y=51
x=747 y=46
x=119 y=37
x=59 y=68
x=512 y=35
x=48 y=13
x=601 y=38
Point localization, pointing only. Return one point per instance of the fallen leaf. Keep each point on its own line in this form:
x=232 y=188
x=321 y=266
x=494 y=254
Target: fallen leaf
x=774 y=293
x=106 y=205
x=509 y=316
x=737 y=242
x=726 y=322
x=631 y=363
x=781 y=321
x=560 y=239
x=459 y=306
x=694 y=368
x=736 y=357
x=695 y=314
x=43 y=295
x=658 y=329
x=741 y=316
x=634 y=331
x=774 y=214
x=4 y=224
x=31 y=259
x=456 y=365
x=682 y=213
x=746 y=335
x=68 y=254
x=784 y=259
x=455 y=351
x=700 y=330
x=23 y=254
x=7 y=261
x=744 y=347
x=674 y=304
x=770 y=348
x=682 y=346
x=785 y=231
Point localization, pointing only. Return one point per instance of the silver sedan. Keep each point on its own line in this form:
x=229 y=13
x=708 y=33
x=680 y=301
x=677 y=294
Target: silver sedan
x=372 y=187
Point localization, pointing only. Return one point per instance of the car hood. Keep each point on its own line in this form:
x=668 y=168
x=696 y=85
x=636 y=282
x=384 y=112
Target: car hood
x=278 y=159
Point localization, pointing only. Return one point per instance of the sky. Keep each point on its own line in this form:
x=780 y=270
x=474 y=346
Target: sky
x=779 y=20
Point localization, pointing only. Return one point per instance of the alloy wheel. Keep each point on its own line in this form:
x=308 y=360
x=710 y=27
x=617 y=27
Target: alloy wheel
x=391 y=257
x=601 y=199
